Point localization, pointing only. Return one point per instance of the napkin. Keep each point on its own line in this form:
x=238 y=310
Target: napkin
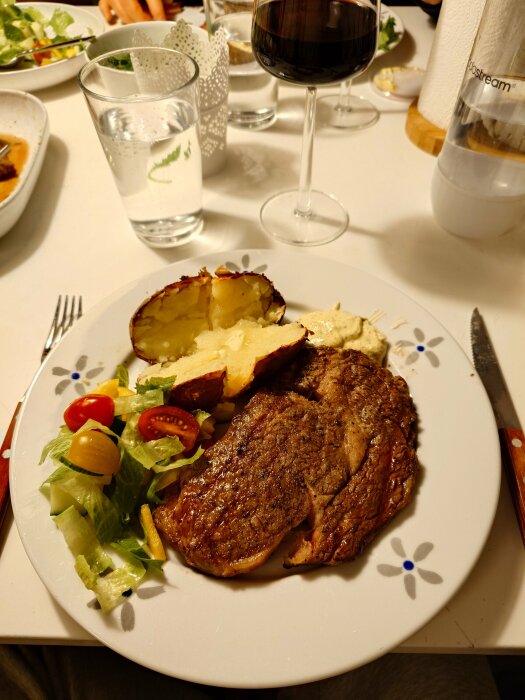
x=455 y=33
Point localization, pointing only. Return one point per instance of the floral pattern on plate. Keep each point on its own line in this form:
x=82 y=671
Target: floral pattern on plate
x=79 y=377
x=410 y=565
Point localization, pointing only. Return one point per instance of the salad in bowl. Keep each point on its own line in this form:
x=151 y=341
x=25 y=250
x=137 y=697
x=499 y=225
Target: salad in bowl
x=25 y=26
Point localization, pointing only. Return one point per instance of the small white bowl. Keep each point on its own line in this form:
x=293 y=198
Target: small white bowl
x=124 y=36
x=130 y=35
x=23 y=115
x=40 y=77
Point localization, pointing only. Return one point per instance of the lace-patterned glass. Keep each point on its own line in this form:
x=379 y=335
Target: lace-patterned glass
x=211 y=55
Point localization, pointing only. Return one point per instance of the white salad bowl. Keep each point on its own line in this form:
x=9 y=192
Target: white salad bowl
x=23 y=115
x=40 y=77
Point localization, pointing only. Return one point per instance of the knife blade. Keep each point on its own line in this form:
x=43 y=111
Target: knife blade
x=512 y=439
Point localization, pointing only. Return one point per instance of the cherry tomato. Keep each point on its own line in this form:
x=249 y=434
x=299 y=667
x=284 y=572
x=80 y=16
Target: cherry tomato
x=163 y=421
x=95 y=452
x=96 y=406
x=41 y=56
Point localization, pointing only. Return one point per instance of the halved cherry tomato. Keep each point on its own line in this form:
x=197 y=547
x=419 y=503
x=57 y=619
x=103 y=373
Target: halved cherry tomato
x=95 y=452
x=169 y=421
x=42 y=55
x=96 y=406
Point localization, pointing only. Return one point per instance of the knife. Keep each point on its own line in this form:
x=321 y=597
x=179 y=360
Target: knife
x=511 y=435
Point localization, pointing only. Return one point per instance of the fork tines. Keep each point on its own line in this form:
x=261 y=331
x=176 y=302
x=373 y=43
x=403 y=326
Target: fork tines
x=66 y=313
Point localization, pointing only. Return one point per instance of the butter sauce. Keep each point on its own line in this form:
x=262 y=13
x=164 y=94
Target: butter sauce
x=341 y=329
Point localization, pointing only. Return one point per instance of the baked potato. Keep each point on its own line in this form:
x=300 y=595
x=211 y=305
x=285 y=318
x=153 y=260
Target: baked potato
x=165 y=326
x=211 y=337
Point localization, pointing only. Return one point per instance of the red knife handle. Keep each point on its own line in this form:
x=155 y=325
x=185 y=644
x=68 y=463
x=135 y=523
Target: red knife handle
x=513 y=450
x=4 y=466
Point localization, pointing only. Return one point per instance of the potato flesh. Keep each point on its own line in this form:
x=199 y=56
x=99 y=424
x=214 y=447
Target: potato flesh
x=240 y=349
x=167 y=326
x=233 y=299
x=244 y=345
x=184 y=369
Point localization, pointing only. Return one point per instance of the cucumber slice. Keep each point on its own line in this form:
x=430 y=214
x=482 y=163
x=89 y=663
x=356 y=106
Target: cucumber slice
x=60 y=500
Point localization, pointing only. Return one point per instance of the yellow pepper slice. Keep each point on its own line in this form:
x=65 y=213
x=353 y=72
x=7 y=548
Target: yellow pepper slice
x=108 y=388
x=153 y=540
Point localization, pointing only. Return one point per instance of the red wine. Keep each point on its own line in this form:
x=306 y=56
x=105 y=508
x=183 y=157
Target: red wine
x=314 y=41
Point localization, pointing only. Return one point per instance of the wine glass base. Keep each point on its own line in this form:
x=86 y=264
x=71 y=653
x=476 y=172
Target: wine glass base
x=357 y=113
x=327 y=220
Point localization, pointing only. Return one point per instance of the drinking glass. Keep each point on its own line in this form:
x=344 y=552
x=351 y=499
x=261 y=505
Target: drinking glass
x=311 y=43
x=253 y=93
x=144 y=103
x=349 y=111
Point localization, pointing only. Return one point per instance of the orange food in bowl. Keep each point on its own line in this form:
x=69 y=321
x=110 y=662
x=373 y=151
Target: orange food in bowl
x=11 y=165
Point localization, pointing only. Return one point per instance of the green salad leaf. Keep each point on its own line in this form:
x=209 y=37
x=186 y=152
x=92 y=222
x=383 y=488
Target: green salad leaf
x=387 y=34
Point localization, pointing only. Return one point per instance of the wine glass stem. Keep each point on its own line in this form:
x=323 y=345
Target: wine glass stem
x=344 y=95
x=303 y=207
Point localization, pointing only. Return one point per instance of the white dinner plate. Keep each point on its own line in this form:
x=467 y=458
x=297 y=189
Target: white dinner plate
x=269 y=629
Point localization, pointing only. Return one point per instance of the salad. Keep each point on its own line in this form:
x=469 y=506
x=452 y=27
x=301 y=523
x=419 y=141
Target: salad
x=116 y=452
x=387 y=34
x=25 y=28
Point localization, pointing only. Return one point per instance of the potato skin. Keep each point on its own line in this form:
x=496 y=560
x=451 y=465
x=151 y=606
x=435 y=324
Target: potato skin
x=166 y=324
x=144 y=316
x=274 y=361
x=202 y=392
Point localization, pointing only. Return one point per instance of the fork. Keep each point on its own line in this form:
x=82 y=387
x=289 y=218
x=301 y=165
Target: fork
x=66 y=313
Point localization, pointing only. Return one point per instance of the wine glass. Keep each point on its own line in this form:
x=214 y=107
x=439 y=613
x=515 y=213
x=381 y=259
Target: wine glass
x=311 y=42
x=349 y=111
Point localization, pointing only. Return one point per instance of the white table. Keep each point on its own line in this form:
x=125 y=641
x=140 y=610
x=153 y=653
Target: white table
x=74 y=238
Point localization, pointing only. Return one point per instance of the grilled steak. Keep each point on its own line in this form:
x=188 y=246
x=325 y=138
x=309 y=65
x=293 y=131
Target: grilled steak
x=327 y=447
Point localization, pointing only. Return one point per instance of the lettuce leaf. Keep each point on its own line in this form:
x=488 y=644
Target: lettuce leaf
x=112 y=588
x=88 y=494
x=131 y=548
x=152 y=452
x=60 y=21
x=122 y=376
x=58 y=446
x=136 y=403
x=81 y=538
x=163 y=383
x=162 y=479
x=129 y=482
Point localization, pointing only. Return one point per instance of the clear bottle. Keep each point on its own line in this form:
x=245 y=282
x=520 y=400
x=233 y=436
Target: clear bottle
x=478 y=187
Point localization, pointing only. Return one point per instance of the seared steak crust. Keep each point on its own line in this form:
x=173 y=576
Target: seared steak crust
x=328 y=446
